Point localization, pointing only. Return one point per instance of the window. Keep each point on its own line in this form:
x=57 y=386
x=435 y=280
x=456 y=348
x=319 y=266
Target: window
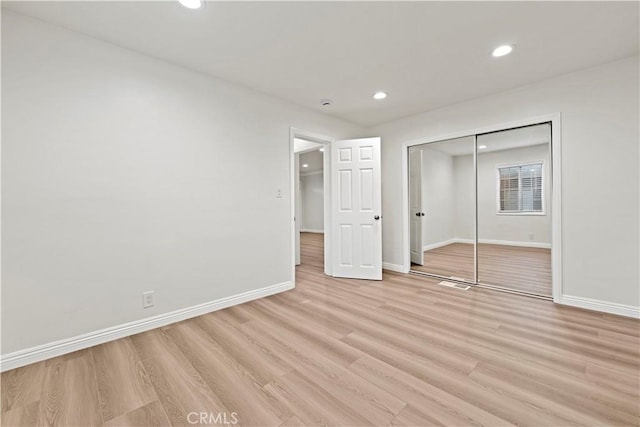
x=520 y=189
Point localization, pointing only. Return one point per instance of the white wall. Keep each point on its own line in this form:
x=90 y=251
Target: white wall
x=512 y=228
x=312 y=195
x=123 y=174
x=464 y=184
x=438 y=196
x=491 y=225
x=600 y=149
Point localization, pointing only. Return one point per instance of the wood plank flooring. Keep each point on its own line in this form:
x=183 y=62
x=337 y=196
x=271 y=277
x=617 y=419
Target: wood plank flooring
x=401 y=352
x=511 y=267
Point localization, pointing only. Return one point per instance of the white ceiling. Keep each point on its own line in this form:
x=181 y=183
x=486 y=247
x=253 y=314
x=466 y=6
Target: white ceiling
x=424 y=54
x=496 y=141
x=314 y=159
x=302 y=145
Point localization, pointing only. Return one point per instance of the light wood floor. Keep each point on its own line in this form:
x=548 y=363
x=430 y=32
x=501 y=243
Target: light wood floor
x=403 y=351
x=511 y=267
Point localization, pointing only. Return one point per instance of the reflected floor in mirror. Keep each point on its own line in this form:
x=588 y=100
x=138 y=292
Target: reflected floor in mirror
x=516 y=268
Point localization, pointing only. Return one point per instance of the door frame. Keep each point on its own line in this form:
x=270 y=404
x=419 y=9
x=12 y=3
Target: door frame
x=556 y=188
x=326 y=160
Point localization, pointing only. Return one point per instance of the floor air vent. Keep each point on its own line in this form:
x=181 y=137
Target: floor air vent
x=454 y=285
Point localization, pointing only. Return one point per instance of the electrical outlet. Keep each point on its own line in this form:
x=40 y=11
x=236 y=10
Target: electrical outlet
x=279 y=194
x=147 y=299
x=531 y=236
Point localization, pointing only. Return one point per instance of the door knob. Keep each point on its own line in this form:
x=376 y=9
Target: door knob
x=377 y=217
x=418 y=214
x=422 y=214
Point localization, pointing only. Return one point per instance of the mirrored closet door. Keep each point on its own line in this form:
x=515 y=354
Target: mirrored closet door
x=514 y=215
x=442 y=208
x=479 y=209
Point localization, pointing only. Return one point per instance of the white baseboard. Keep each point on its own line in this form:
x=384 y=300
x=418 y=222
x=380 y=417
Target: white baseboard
x=68 y=345
x=308 y=230
x=603 y=306
x=525 y=244
x=441 y=244
x=488 y=242
x=393 y=267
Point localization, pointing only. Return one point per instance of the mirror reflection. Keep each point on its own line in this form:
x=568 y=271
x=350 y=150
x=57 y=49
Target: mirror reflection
x=484 y=217
x=442 y=208
x=514 y=219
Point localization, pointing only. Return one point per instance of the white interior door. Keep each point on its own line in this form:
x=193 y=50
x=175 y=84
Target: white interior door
x=356 y=208
x=415 y=206
x=298 y=204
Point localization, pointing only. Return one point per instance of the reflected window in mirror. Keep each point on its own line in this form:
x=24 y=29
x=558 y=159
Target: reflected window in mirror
x=520 y=189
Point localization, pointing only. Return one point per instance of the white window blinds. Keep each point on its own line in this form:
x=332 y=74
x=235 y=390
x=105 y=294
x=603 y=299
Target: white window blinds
x=520 y=188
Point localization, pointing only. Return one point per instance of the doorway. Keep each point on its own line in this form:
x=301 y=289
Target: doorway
x=352 y=194
x=310 y=224
x=309 y=201
x=482 y=208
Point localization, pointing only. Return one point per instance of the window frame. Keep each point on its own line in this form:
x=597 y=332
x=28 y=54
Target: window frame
x=543 y=212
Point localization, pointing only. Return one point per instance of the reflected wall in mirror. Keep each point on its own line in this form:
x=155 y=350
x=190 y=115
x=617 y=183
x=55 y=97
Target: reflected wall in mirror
x=514 y=215
x=442 y=208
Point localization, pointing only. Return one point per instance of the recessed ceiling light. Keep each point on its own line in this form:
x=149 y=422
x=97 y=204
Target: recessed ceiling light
x=503 y=50
x=191 y=4
x=379 y=95
x=322 y=150
x=482 y=147
x=305 y=165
